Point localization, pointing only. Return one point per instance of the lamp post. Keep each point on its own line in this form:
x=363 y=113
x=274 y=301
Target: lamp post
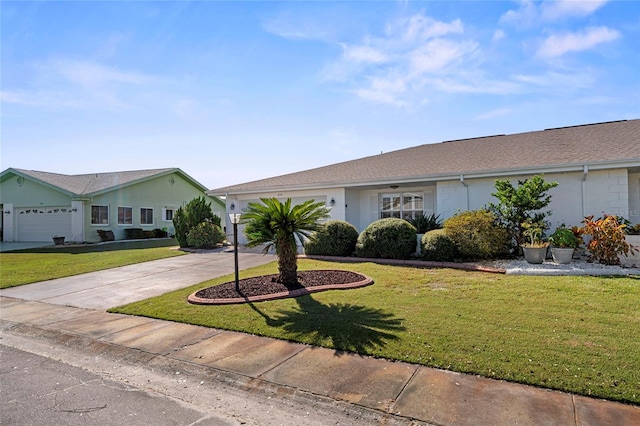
x=235 y=219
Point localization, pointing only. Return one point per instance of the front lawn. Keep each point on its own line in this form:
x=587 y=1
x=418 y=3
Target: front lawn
x=18 y=268
x=575 y=334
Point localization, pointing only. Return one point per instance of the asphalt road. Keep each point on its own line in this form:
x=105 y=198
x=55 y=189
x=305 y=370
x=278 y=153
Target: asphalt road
x=42 y=385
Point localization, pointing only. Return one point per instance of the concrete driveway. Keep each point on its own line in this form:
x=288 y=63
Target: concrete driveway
x=126 y=284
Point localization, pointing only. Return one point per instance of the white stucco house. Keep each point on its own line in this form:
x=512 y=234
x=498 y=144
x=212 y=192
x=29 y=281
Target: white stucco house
x=38 y=205
x=597 y=167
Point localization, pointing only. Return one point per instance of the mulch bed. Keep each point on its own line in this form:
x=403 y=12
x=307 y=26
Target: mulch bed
x=265 y=287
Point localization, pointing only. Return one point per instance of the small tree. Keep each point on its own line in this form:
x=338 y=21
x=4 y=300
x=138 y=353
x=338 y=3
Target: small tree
x=194 y=213
x=282 y=226
x=521 y=204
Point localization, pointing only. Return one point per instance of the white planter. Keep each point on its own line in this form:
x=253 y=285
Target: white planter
x=631 y=260
x=534 y=255
x=562 y=256
x=419 y=245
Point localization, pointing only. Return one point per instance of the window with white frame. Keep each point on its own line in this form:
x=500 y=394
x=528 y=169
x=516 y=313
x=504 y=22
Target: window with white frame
x=391 y=206
x=125 y=215
x=99 y=215
x=412 y=205
x=406 y=205
x=167 y=214
x=146 y=216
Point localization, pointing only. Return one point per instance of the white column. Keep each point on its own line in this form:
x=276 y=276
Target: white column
x=8 y=233
x=77 y=221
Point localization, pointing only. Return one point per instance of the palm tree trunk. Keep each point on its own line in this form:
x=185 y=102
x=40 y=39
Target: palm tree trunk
x=287 y=263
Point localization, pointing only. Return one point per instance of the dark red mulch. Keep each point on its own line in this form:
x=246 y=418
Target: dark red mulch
x=267 y=284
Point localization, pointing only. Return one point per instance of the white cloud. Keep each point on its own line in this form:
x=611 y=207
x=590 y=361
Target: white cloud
x=493 y=114
x=498 y=35
x=559 y=44
x=436 y=55
x=77 y=84
x=86 y=73
x=558 y=9
x=364 y=54
x=395 y=66
x=531 y=13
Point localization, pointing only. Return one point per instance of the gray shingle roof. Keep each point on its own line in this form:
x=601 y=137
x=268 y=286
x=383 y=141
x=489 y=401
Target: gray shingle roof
x=561 y=147
x=88 y=184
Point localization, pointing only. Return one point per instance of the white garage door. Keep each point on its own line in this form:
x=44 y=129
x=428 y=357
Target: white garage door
x=40 y=224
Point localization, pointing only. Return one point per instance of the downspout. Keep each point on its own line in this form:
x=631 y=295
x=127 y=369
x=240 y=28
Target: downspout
x=585 y=171
x=466 y=191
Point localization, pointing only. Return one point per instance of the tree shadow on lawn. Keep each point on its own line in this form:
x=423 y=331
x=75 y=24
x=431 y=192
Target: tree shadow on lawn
x=344 y=327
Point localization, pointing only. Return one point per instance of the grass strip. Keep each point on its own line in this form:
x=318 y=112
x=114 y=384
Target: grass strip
x=577 y=334
x=18 y=268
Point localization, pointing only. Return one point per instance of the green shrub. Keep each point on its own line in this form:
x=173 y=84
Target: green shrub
x=205 y=235
x=390 y=238
x=438 y=246
x=335 y=238
x=195 y=212
x=477 y=235
x=424 y=224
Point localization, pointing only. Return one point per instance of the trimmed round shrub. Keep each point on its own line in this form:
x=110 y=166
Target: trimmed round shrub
x=335 y=238
x=478 y=235
x=390 y=238
x=438 y=246
x=205 y=235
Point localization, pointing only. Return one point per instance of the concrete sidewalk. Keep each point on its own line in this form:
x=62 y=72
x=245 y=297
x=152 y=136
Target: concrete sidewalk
x=260 y=364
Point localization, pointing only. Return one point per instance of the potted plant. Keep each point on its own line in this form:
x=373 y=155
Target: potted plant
x=58 y=239
x=564 y=242
x=535 y=249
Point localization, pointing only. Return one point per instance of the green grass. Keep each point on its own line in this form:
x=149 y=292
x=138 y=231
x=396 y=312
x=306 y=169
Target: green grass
x=24 y=267
x=575 y=334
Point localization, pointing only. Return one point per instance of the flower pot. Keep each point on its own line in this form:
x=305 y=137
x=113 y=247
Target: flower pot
x=58 y=241
x=562 y=256
x=534 y=255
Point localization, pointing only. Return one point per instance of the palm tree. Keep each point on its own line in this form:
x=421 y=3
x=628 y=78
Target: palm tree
x=280 y=225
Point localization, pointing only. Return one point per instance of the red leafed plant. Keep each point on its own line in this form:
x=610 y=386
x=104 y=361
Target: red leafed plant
x=607 y=239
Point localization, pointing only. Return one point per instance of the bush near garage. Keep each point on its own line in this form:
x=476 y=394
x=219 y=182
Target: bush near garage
x=478 y=235
x=390 y=238
x=335 y=238
x=195 y=212
x=438 y=246
x=205 y=236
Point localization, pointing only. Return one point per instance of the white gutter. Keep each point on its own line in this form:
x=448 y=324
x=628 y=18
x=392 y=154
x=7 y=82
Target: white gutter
x=585 y=172
x=466 y=191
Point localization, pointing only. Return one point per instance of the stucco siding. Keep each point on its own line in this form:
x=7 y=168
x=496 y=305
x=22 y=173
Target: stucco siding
x=169 y=191
x=31 y=194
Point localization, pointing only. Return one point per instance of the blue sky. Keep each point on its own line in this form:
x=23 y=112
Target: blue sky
x=237 y=91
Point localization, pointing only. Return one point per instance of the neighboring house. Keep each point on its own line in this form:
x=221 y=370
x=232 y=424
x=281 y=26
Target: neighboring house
x=597 y=167
x=37 y=205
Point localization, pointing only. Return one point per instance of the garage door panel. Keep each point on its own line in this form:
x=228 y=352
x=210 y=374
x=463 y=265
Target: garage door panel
x=41 y=223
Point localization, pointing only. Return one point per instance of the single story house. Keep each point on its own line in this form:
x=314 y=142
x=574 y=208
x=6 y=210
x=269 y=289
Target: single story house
x=38 y=205
x=597 y=167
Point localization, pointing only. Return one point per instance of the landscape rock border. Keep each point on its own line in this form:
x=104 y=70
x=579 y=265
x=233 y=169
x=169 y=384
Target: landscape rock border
x=366 y=281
